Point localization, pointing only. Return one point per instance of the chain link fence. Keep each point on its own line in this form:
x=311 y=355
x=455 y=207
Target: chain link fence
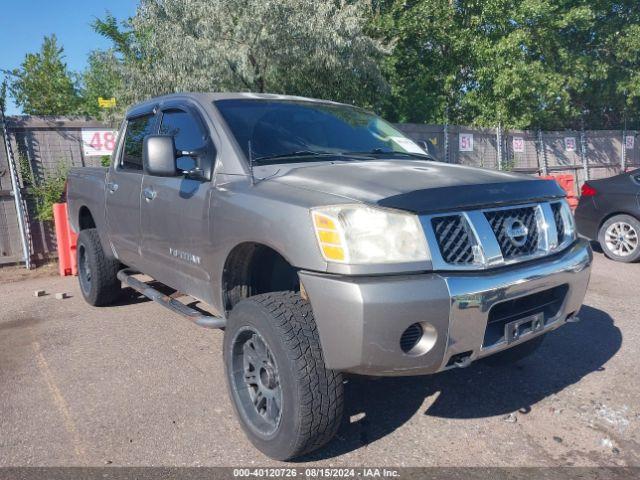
x=42 y=144
x=590 y=154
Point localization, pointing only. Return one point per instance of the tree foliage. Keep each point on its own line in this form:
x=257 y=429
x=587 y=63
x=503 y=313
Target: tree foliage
x=43 y=85
x=305 y=47
x=523 y=63
x=4 y=88
x=101 y=78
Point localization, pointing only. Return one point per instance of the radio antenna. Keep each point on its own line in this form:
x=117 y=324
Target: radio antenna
x=251 y=164
x=253 y=179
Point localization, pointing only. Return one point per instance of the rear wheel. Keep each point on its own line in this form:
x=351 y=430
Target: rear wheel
x=287 y=401
x=515 y=354
x=96 y=272
x=619 y=240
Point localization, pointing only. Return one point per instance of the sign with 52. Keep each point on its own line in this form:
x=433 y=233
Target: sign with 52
x=570 y=144
x=629 y=142
x=518 y=144
x=98 y=142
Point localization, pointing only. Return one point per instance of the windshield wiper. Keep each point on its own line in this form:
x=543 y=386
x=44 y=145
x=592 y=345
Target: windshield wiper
x=292 y=155
x=379 y=151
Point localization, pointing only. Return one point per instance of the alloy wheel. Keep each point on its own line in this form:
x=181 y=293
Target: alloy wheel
x=257 y=381
x=621 y=239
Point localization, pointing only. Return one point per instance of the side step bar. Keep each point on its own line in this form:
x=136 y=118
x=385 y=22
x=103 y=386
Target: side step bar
x=199 y=318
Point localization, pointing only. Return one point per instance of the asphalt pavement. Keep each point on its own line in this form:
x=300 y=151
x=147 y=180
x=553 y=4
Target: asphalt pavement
x=133 y=384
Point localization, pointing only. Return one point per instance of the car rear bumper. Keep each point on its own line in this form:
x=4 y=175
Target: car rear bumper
x=587 y=218
x=361 y=319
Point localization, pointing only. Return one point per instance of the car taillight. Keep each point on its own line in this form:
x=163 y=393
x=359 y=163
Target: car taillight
x=588 y=190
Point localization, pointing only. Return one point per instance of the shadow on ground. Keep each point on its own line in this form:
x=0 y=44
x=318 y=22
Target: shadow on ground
x=566 y=356
x=129 y=296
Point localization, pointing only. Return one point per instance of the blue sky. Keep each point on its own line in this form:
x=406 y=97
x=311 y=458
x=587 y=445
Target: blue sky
x=23 y=23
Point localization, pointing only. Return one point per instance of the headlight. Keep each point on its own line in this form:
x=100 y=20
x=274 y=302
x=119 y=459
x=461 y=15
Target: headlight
x=357 y=234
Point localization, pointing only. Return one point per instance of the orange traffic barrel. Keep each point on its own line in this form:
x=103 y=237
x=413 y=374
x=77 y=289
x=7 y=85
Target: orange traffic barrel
x=568 y=184
x=66 y=240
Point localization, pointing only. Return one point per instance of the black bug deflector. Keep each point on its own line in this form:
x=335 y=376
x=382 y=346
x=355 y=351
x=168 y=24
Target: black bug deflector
x=464 y=197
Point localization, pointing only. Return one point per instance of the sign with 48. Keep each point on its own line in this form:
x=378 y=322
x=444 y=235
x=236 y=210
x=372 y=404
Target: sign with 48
x=98 y=142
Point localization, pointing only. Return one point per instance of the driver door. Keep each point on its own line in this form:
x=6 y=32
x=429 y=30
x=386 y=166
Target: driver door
x=175 y=210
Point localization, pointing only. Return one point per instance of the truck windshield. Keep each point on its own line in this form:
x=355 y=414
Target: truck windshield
x=277 y=130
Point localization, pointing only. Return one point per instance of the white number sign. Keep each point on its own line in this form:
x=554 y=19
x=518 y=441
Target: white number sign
x=518 y=144
x=98 y=142
x=629 y=142
x=570 y=144
x=465 y=142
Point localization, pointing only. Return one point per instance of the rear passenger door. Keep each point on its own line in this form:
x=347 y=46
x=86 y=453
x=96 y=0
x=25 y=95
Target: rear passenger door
x=175 y=210
x=124 y=184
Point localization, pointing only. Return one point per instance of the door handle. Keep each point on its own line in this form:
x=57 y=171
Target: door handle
x=149 y=194
x=112 y=187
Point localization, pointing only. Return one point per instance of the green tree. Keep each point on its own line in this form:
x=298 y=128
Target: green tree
x=429 y=67
x=301 y=47
x=43 y=85
x=101 y=78
x=551 y=63
x=531 y=63
x=4 y=87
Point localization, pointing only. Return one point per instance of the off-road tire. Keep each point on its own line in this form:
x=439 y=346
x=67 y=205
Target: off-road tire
x=311 y=395
x=515 y=354
x=623 y=219
x=99 y=285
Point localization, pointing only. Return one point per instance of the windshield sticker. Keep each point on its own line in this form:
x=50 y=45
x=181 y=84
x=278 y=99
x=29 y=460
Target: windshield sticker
x=409 y=145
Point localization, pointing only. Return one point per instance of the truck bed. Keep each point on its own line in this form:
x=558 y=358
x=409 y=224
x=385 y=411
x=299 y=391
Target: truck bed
x=85 y=187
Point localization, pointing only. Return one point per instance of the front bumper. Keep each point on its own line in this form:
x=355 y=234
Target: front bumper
x=361 y=319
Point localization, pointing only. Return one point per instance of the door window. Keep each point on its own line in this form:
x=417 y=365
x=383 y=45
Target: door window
x=187 y=134
x=137 y=129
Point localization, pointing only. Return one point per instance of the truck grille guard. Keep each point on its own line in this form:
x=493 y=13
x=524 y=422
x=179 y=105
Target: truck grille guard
x=482 y=239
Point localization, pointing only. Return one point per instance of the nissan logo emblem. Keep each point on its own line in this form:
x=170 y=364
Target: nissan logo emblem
x=516 y=231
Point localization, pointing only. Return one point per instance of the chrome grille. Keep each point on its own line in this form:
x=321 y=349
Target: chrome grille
x=453 y=239
x=483 y=239
x=557 y=218
x=507 y=223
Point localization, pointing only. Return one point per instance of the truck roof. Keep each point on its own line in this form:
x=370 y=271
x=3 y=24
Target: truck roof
x=209 y=97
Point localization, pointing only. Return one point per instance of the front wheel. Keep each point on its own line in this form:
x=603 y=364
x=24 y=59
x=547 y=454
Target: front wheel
x=618 y=238
x=287 y=401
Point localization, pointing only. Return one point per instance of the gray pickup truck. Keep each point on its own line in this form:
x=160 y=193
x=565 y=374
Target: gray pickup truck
x=323 y=242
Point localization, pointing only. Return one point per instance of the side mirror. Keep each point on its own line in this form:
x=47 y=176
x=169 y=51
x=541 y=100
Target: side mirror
x=159 y=156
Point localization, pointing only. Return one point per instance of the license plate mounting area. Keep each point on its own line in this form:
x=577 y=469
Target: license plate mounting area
x=514 y=331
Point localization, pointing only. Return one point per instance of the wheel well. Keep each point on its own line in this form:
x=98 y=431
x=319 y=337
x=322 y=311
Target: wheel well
x=85 y=219
x=611 y=215
x=253 y=268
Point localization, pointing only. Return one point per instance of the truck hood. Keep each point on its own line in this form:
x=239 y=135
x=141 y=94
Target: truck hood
x=414 y=185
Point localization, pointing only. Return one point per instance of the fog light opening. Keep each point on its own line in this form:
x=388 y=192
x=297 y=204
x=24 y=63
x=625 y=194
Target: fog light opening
x=418 y=338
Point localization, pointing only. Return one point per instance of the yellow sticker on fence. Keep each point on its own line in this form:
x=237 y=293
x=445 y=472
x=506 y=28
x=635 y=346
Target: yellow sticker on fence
x=106 y=102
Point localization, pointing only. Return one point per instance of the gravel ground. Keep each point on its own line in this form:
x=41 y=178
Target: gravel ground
x=134 y=385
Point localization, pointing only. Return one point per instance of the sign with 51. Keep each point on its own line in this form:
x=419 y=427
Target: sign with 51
x=465 y=142
x=98 y=142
